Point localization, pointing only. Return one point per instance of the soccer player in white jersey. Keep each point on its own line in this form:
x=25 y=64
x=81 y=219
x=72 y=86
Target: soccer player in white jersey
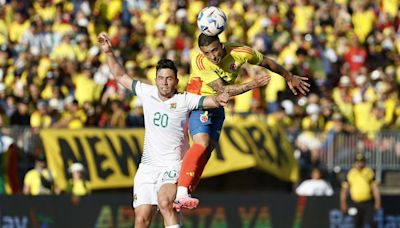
x=166 y=113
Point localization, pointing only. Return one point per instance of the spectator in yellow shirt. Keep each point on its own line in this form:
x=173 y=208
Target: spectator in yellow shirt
x=40 y=180
x=77 y=184
x=364 y=193
x=40 y=118
x=86 y=89
x=17 y=28
x=73 y=118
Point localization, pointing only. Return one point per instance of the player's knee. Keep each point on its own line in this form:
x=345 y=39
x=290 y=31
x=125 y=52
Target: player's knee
x=142 y=221
x=164 y=204
x=202 y=139
x=202 y=142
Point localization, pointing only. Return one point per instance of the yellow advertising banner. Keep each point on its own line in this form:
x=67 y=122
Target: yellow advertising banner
x=253 y=144
x=111 y=156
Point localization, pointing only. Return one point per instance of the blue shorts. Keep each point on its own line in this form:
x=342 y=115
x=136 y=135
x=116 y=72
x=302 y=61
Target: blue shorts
x=208 y=121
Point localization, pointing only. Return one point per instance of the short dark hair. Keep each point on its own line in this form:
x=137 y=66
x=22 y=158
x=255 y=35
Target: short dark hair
x=167 y=64
x=205 y=40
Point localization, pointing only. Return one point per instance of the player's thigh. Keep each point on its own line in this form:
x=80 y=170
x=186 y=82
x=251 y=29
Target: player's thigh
x=145 y=186
x=202 y=139
x=216 y=128
x=166 y=195
x=167 y=183
x=206 y=125
x=199 y=124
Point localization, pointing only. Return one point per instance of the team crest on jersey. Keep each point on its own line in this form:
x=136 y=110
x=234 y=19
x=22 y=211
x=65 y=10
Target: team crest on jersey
x=233 y=66
x=134 y=197
x=204 y=117
x=172 y=106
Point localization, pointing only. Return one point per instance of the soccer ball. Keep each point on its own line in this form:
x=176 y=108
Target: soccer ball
x=211 y=21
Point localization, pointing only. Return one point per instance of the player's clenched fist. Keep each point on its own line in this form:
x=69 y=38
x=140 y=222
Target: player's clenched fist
x=104 y=42
x=222 y=98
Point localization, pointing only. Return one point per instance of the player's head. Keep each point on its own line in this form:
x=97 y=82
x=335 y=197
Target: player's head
x=166 y=78
x=211 y=47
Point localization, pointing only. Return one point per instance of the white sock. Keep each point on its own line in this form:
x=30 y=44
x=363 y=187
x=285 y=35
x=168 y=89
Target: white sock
x=174 y=226
x=181 y=192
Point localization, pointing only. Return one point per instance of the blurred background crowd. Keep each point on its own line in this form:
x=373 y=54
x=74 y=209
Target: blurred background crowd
x=52 y=74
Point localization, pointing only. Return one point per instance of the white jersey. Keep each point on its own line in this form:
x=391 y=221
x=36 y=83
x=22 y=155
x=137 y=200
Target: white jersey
x=166 y=138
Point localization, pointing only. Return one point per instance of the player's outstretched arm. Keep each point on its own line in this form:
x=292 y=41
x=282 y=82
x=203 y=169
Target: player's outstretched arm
x=236 y=89
x=294 y=82
x=216 y=101
x=116 y=69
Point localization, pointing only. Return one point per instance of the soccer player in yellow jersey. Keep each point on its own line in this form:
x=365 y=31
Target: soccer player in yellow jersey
x=214 y=70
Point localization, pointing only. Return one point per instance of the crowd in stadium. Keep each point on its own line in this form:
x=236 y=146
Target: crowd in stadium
x=53 y=75
x=52 y=72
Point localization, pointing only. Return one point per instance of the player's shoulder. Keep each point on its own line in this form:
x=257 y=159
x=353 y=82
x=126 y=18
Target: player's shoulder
x=144 y=88
x=183 y=94
x=236 y=48
x=145 y=85
x=199 y=62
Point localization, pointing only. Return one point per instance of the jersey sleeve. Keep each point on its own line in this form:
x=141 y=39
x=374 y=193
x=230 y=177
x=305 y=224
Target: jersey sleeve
x=194 y=101
x=370 y=175
x=247 y=54
x=140 y=89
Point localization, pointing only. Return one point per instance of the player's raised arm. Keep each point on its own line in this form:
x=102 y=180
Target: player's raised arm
x=236 y=89
x=294 y=82
x=216 y=101
x=116 y=69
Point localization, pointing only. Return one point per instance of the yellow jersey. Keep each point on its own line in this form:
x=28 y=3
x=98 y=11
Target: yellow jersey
x=79 y=187
x=203 y=71
x=32 y=179
x=359 y=182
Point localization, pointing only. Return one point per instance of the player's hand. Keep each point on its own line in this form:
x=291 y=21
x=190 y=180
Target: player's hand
x=222 y=98
x=343 y=208
x=377 y=205
x=298 y=83
x=261 y=80
x=104 y=42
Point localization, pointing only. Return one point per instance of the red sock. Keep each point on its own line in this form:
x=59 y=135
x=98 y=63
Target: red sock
x=199 y=171
x=190 y=165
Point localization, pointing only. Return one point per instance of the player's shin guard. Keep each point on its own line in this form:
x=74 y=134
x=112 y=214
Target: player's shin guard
x=190 y=165
x=199 y=171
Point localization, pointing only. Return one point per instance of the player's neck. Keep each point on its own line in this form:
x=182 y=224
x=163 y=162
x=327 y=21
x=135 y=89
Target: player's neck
x=164 y=98
x=167 y=97
x=223 y=55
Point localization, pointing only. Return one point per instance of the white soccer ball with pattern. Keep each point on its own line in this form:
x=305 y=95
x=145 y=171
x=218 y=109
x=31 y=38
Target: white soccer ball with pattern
x=211 y=21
